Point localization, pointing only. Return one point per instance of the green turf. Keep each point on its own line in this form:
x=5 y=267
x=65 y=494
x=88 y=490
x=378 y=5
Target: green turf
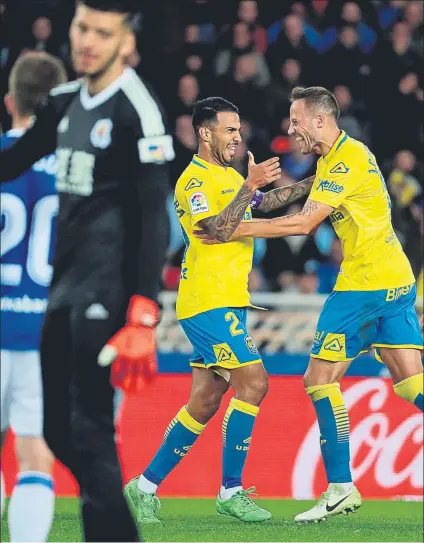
x=195 y=520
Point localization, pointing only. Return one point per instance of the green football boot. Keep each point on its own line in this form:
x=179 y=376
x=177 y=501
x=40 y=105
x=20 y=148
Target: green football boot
x=241 y=506
x=144 y=506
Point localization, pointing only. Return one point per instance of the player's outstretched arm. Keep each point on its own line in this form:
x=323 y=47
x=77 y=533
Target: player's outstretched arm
x=38 y=141
x=302 y=223
x=222 y=226
x=282 y=196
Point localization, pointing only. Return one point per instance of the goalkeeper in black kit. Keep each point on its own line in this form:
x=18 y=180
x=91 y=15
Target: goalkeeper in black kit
x=112 y=151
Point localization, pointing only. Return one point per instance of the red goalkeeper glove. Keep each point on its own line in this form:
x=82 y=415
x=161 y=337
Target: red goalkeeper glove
x=132 y=350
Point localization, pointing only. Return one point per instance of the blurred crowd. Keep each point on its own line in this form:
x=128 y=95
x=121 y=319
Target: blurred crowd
x=253 y=52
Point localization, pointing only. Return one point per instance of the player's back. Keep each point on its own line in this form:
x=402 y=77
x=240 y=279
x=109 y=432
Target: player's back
x=29 y=206
x=212 y=276
x=349 y=180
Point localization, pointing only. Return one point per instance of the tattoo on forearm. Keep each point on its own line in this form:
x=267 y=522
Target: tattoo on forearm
x=309 y=207
x=222 y=226
x=282 y=196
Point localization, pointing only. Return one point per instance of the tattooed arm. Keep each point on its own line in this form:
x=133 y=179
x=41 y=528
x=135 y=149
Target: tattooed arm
x=222 y=226
x=283 y=196
x=302 y=223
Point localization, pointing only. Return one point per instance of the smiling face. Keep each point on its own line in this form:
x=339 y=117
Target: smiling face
x=303 y=126
x=99 y=40
x=223 y=137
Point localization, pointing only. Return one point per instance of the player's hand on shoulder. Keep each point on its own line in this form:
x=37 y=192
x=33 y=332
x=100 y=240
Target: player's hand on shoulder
x=260 y=175
x=132 y=350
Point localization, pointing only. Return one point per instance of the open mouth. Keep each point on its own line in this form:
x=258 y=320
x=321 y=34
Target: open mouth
x=232 y=149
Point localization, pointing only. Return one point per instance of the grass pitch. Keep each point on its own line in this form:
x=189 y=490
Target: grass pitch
x=195 y=520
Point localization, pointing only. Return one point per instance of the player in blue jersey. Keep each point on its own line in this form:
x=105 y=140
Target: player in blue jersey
x=28 y=208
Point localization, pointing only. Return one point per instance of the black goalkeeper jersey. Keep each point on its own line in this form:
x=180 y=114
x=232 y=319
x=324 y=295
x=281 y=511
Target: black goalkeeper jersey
x=112 y=178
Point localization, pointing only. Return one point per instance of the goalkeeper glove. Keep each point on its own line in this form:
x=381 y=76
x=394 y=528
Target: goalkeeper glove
x=132 y=350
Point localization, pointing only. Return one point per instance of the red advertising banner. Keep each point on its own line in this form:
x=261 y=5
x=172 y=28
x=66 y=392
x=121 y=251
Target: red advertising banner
x=284 y=458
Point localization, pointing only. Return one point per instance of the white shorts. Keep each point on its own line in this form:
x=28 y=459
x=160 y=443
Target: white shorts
x=21 y=393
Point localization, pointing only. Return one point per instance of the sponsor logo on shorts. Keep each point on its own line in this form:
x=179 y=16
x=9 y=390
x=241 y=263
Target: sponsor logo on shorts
x=319 y=336
x=223 y=355
x=334 y=345
x=396 y=293
x=198 y=203
x=250 y=344
x=330 y=186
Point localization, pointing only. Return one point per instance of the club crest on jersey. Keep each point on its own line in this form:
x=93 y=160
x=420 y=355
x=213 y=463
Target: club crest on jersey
x=330 y=186
x=100 y=135
x=63 y=125
x=340 y=168
x=198 y=203
x=250 y=344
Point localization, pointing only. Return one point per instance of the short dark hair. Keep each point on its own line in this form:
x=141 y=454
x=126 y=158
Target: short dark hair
x=317 y=98
x=206 y=111
x=129 y=8
x=32 y=77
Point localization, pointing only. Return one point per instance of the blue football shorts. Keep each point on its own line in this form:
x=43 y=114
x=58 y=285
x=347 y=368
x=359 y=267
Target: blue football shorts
x=351 y=322
x=220 y=339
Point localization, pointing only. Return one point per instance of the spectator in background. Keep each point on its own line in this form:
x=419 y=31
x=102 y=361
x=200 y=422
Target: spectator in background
x=187 y=94
x=185 y=146
x=414 y=15
x=42 y=35
x=402 y=182
x=290 y=76
x=247 y=87
x=242 y=44
x=291 y=43
x=352 y=15
x=347 y=119
x=346 y=64
x=248 y=13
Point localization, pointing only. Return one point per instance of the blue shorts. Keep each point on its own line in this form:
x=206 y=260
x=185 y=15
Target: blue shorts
x=351 y=322
x=220 y=338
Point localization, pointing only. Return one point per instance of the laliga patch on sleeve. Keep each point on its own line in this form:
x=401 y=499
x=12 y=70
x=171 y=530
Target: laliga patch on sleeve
x=156 y=150
x=198 y=203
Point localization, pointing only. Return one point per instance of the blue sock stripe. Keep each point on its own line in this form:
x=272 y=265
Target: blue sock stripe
x=35 y=480
x=150 y=476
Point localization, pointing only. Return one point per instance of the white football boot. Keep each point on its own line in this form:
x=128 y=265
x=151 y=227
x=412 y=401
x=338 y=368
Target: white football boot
x=332 y=502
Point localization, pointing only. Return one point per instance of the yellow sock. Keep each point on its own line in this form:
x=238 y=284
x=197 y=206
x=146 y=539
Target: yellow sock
x=411 y=389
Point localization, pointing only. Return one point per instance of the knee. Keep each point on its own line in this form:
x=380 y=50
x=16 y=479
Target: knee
x=253 y=392
x=33 y=454
x=203 y=404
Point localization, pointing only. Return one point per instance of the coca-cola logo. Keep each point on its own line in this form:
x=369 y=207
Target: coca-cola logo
x=393 y=458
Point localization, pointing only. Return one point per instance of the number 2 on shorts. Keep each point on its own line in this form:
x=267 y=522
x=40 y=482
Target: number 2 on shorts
x=230 y=316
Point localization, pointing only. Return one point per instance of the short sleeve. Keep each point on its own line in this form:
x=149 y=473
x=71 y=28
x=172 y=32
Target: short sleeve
x=198 y=197
x=336 y=187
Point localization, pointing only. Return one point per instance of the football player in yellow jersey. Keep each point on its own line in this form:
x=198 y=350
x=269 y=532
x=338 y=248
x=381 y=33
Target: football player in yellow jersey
x=372 y=304
x=212 y=307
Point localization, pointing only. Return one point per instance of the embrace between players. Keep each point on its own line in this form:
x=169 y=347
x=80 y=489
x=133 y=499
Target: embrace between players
x=372 y=304
x=112 y=148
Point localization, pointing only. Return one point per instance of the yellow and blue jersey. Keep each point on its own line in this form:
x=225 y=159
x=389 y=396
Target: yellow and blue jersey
x=212 y=276
x=349 y=180
x=29 y=206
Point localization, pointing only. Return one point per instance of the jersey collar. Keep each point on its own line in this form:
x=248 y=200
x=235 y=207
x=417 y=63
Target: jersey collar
x=204 y=164
x=337 y=144
x=89 y=102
